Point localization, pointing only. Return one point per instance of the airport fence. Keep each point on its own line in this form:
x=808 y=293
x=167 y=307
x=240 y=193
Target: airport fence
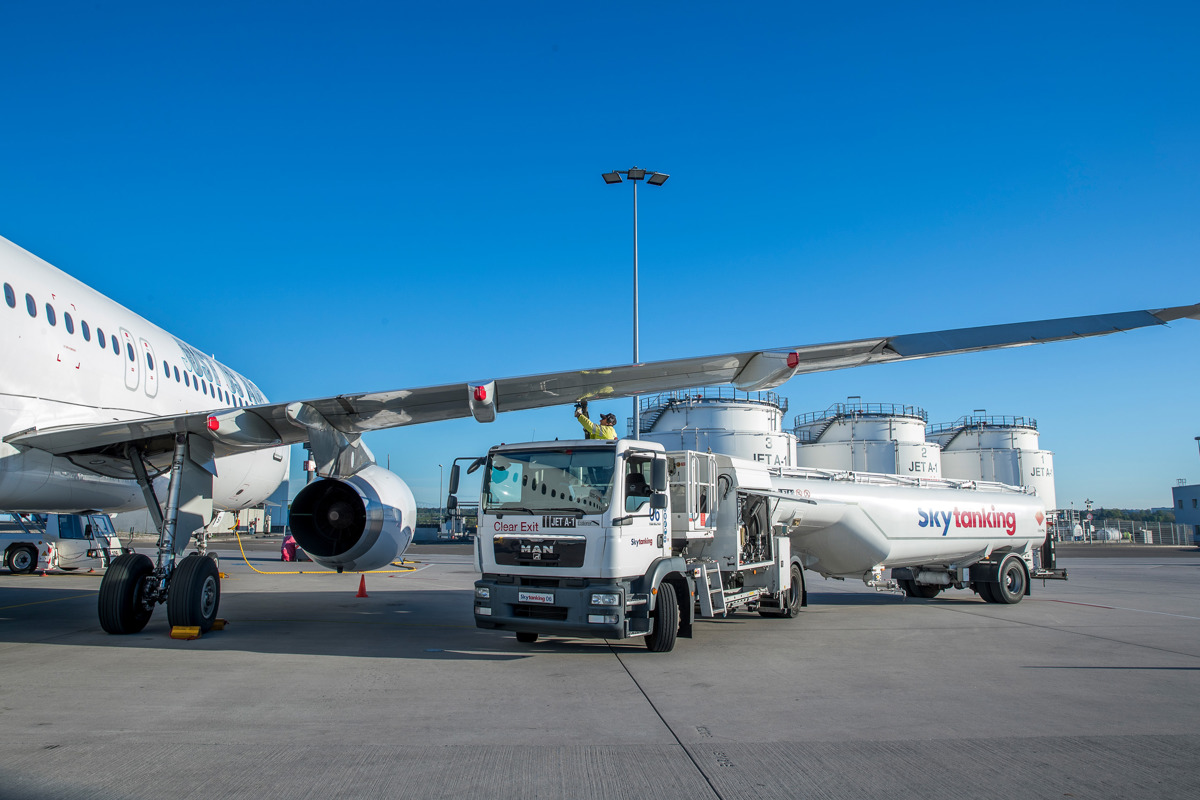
x=1116 y=531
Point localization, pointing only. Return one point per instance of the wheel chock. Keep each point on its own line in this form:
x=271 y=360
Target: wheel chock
x=219 y=624
x=185 y=632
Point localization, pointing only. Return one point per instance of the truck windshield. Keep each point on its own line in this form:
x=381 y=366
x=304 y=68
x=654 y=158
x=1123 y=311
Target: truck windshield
x=541 y=481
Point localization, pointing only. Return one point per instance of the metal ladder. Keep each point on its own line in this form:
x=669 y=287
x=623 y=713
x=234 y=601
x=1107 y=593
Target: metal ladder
x=710 y=574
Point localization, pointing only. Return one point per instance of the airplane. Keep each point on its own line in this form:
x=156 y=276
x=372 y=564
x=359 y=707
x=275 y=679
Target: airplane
x=101 y=410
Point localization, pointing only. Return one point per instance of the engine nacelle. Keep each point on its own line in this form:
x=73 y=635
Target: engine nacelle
x=358 y=523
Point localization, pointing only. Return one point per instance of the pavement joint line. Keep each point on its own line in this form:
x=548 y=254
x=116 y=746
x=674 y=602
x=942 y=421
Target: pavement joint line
x=1120 y=608
x=686 y=750
x=1073 y=631
x=83 y=593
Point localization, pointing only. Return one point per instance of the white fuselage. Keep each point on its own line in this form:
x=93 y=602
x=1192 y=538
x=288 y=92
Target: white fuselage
x=73 y=356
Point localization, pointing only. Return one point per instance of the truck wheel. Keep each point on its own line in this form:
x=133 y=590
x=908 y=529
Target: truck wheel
x=22 y=559
x=666 y=621
x=526 y=637
x=121 y=608
x=922 y=590
x=984 y=590
x=791 y=602
x=194 y=594
x=1011 y=586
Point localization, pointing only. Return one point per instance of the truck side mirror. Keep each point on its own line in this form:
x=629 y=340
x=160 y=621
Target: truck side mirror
x=451 y=503
x=658 y=476
x=453 y=479
x=658 y=501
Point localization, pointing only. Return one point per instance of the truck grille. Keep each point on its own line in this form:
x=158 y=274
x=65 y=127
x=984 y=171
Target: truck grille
x=541 y=551
x=539 y=612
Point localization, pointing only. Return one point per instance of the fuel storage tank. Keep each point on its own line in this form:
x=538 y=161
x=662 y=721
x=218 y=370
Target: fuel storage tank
x=721 y=420
x=996 y=448
x=868 y=437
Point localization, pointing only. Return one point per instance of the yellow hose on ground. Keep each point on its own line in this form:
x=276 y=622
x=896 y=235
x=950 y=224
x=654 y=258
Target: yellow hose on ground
x=315 y=572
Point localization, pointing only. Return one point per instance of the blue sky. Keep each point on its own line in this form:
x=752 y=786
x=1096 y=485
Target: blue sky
x=365 y=196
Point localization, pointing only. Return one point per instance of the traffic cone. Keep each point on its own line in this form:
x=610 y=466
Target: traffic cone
x=362 y=587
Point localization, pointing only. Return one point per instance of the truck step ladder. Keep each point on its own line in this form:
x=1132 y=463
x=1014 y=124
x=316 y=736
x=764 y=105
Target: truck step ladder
x=709 y=590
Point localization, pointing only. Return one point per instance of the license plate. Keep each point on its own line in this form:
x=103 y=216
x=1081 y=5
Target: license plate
x=546 y=598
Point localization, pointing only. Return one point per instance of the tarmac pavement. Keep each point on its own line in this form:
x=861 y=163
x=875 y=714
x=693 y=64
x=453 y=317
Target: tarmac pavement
x=1089 y=688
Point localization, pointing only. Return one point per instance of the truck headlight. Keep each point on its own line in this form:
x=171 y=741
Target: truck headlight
x=606 y=599
x=483 y=592
x=602 y=619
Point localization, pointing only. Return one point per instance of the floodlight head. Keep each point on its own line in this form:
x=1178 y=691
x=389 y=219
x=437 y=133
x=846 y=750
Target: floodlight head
x=611 y=177
x=636 y=174
x=657 y=178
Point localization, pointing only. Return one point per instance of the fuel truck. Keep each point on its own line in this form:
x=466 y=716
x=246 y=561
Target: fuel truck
x=623 y=538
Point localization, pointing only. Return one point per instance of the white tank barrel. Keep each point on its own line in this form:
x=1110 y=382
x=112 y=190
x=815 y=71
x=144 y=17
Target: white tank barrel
x=996 y=448
x=721 y=420
x=868 y=437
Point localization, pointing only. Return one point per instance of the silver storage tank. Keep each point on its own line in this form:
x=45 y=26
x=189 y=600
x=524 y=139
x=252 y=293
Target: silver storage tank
x=868 y=437
x=996 y=448
x=721 y=420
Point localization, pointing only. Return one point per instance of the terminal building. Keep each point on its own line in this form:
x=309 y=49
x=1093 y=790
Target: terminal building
x=1186 y=503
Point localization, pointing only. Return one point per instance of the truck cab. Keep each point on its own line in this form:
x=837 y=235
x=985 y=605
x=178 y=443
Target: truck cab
x=573 y=538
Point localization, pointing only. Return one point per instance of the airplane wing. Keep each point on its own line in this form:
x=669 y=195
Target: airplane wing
x=255 y=427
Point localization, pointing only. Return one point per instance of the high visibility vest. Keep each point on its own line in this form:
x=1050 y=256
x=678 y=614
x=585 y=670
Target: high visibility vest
x=595 y=431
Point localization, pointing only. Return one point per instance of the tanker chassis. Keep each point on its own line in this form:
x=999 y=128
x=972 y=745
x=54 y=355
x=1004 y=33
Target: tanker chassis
x=620 y=538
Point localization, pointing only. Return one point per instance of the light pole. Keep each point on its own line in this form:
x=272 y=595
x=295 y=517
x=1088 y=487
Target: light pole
x=439 y=484
x=635 y=174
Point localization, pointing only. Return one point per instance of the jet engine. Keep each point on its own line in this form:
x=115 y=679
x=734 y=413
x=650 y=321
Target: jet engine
x=358 y=523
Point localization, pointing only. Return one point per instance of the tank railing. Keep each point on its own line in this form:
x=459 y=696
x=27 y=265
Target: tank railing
x=888 y=479
x=969 y=422
x=652 y=406
x=838 y=410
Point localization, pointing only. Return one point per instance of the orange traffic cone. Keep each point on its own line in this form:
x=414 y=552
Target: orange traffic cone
x=362 y=587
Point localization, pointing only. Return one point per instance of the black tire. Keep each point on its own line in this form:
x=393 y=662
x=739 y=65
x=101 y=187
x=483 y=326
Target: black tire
x=984 y=589
x=120 y=605
x=527 y=637
x=194 y=594
x=21 y=560
x=792 y=603
x=923 y=590
x=666 y=621
x=1012 y=583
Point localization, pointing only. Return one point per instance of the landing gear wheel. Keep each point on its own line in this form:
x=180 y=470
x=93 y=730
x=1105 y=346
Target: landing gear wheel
x=121 y=608
x=791 y=602
x=1012 y=581
x=21 y=560
x=194 y=594
x=666 y=621
x=526 y=637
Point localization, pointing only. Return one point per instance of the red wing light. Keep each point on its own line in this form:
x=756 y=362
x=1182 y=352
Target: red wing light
x=480 y=394
x=213 y=423
x=793 y=360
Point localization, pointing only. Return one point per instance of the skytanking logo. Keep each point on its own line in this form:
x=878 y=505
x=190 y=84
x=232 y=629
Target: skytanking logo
x=984 y=518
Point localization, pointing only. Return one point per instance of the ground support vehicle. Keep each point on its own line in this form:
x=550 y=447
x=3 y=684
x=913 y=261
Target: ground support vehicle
x=621 y=538
x=33 y=542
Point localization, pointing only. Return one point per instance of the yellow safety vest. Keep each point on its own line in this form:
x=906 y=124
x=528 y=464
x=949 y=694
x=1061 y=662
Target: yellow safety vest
x=595 y=431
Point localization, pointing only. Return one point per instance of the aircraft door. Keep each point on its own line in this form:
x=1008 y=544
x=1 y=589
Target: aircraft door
x=129 y=356
x=151 y=364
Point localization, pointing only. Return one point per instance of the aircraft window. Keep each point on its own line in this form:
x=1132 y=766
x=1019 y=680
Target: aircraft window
x=117 y=346
x=150 y=362
x=50 y=317
x=186 y=381
x=87 y=332
x=204 y=386
x=129 y=350
x=30 y=305
x=176 y=371
x=10 y=296
x=68 y=323
x=100 y=338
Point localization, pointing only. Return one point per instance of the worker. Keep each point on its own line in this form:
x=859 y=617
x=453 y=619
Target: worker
x=604 y=430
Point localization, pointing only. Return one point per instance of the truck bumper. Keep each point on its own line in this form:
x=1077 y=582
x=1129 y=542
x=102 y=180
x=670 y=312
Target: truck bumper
x=561 y=610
